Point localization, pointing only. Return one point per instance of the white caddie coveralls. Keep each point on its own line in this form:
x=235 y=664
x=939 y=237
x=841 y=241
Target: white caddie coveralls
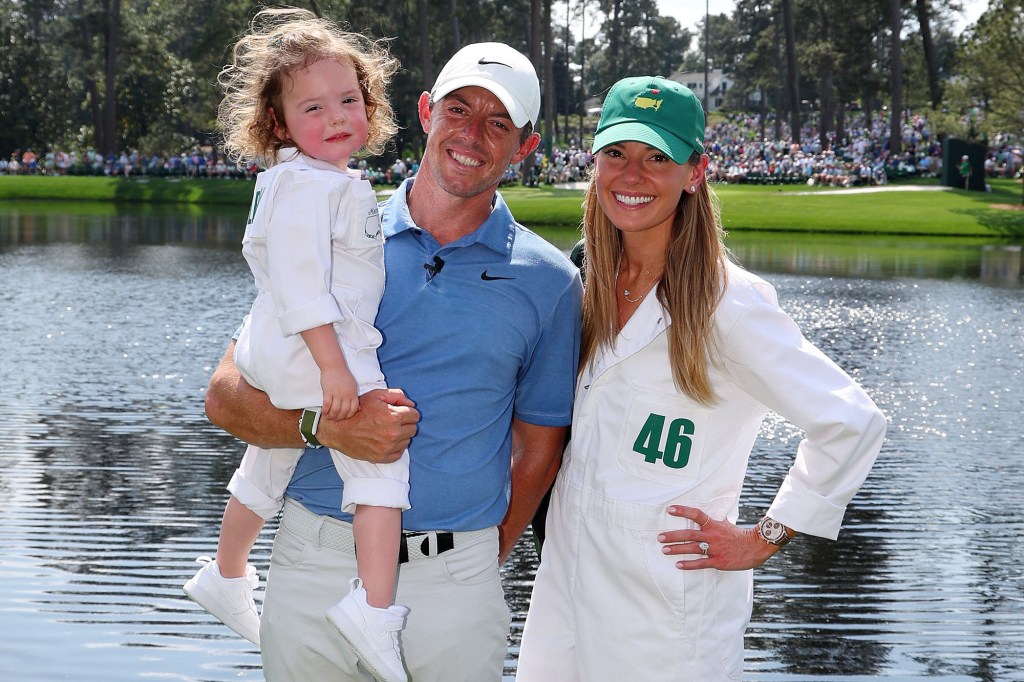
x=314 y=244
x=608 y=605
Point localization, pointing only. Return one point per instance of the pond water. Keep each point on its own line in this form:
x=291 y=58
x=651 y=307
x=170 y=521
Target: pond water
x=112 y=479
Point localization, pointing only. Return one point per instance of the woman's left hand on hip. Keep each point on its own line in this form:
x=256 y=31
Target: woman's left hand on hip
x=716 y=544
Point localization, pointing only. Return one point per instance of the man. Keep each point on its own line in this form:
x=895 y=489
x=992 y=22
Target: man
x=480 y=320
x=965 y=170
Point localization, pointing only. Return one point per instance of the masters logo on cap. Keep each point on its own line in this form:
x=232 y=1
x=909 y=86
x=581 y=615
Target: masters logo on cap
x=655 y=111
x=500 y=69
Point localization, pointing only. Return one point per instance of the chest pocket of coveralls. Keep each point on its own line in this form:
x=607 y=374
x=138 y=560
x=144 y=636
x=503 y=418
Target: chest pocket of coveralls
x=663 y=441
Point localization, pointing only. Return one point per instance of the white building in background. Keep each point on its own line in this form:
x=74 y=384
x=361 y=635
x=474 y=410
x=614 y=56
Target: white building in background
x=718 y=84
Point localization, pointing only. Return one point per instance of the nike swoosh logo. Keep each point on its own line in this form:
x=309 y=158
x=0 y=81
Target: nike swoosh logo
x=490 y=278
x=485 y=62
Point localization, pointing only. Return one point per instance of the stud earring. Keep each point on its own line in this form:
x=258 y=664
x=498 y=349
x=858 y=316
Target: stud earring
x=693 y=188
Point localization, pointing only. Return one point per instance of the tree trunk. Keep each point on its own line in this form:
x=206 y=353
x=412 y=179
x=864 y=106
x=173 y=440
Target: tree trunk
x=109 y=140
x=549 y=78
x=583 y=70
x=89 y=82
x=896 y=91
x=934 y=88
x=707 y=56
x=841 y=122
x=825 y=87
x=454 y=8
x=536 y=33
x=614 y=43
x=791 y=70
x=568 y=74
x=779 y=92
x=763 y=113
x=426 y=63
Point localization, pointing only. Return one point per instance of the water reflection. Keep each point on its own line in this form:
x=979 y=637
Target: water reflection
x=62 y=222
x=1001 y=264
x=995 y=262
x=111 y=480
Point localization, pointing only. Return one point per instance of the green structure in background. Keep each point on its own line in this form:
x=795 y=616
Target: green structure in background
x=953 y=151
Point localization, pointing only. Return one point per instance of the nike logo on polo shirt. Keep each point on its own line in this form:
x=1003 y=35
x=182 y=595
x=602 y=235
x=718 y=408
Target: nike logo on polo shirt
x=490 y=278
x=485 y=62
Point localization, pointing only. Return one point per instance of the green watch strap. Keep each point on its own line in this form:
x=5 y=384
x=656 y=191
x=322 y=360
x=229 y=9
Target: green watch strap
x=308 y=423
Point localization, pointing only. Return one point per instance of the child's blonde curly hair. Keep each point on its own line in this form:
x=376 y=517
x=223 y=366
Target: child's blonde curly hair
x=280 y=41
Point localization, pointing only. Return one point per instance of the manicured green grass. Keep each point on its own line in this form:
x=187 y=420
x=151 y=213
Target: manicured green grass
x=935 y=213
x=556 y=213
x=544 y=206
x=120 y=190
x=802 y=209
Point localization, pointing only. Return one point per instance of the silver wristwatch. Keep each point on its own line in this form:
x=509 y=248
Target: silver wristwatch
x=772 y=532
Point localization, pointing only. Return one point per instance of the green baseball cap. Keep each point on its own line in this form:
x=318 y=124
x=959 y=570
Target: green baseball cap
x=656 y=111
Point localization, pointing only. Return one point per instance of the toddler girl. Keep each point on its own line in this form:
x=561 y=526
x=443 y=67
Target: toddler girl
x=301 y=98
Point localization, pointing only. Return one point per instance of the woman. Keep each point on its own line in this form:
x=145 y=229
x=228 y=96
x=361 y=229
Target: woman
x=644 y=574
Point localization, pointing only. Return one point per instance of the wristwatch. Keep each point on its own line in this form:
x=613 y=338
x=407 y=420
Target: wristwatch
x=309 y=420
x=772 y=532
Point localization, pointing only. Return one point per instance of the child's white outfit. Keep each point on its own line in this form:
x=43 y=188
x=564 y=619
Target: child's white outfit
x=313 y=242
x=314 y=245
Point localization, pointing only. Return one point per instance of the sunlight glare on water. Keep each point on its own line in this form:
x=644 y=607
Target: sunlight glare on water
x=112 y=480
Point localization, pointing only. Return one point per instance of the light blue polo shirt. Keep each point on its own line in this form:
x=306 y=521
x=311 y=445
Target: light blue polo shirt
x=492 y=335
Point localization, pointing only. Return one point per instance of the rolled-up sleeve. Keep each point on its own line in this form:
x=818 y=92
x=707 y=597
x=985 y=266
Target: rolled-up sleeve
x=299 y=252
x=769 y=358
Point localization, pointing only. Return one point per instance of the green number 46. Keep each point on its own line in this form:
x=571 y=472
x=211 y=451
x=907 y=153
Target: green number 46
x=676 y=452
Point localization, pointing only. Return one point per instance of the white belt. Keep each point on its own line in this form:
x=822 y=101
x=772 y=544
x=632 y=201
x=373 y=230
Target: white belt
x=336 y=534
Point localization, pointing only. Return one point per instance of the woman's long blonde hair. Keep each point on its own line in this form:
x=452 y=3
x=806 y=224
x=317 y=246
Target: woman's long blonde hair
x=694 y=279
x=278 y=42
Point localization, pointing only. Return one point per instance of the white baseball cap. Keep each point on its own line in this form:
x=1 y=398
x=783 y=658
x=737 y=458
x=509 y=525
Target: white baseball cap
x=504 y=71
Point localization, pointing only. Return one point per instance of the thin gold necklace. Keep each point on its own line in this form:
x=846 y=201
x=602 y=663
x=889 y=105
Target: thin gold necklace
x=646 y=290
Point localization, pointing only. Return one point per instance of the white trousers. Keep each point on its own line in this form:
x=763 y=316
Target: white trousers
x=260 y=480
x=609 y=606
x=284 y=368
x=458 y=621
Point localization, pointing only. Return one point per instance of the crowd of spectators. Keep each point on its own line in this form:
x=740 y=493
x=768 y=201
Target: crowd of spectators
x=862 y=157
x=563 y=166
x=200 y=162
x=195 y=164
x=1005 y=158
x=738 y=155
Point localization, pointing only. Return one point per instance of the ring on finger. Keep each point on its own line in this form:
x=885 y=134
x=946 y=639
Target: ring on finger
x=704 y=547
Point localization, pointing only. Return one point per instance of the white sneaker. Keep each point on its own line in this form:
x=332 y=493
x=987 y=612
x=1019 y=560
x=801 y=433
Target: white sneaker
x=371 y=633
x=229 y=599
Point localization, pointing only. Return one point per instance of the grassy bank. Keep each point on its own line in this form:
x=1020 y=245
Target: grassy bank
x=120 y=190
x=937 y=213
x=791 y=208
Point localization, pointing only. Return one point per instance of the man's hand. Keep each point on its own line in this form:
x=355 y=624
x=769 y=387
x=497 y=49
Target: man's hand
x=536 y=456
x=379 y=432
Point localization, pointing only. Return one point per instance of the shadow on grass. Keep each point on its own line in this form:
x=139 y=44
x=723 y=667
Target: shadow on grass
x=185 y=191
x=1003 y=222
